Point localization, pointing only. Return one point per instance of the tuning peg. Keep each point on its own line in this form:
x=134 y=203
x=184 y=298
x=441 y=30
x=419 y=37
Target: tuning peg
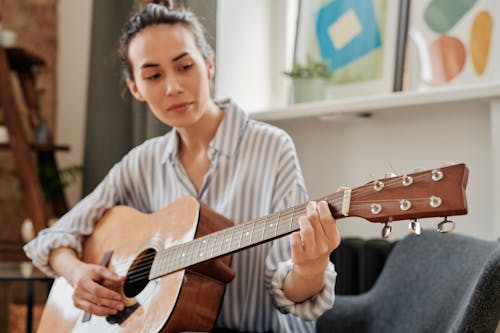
x=446 y=226
x=415 y=227
x=386 y=230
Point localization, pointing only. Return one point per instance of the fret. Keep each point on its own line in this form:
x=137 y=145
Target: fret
x=241 y=236
x=190 y=251
x=166 y=260
x=183 y=254
x=163 y=261
x=268 y=228
x=251 y=233
x=277 y=224
x=178 y=260
x=231 y=239
x=291 y=219
x=238 y=232
x=214 y=254
x=203 y=246
x=261 y=224
x=246 y=235
x=227 y=240
x=264 y=229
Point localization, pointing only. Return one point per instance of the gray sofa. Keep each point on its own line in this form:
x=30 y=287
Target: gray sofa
x=431 y=283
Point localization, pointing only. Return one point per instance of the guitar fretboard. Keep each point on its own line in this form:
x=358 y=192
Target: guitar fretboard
x=232 y=239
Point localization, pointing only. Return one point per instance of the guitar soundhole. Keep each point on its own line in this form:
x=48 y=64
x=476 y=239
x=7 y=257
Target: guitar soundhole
x=137 y=276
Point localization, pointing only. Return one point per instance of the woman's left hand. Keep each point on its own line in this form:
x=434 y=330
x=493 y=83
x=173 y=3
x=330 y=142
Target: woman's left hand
x=311 y=247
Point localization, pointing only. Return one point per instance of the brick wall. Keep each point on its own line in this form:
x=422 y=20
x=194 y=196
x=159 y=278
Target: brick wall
x=35 y=22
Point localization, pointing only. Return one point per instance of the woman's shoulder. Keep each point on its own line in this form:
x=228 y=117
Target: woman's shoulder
x=151 y=148
x=255 y=127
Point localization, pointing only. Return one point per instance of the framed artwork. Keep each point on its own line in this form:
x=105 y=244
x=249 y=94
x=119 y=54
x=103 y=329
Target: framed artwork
x=452 y=42
x=357 y=39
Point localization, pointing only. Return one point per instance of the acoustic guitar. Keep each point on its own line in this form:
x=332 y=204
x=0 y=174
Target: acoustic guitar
x=176 y=261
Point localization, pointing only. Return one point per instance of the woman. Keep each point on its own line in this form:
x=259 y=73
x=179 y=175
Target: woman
x=241 y=168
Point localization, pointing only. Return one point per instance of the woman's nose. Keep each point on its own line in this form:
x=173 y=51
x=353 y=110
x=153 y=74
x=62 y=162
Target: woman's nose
x=173 y=87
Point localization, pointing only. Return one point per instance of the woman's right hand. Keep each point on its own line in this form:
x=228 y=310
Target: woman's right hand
x=90 y=292
x=91 y=283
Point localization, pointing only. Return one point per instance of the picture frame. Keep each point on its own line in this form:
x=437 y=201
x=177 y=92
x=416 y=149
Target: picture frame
x=359 y=41
x=459 y=48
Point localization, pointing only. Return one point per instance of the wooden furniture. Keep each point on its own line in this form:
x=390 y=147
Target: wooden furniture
x=23 y=315
x=23 y=64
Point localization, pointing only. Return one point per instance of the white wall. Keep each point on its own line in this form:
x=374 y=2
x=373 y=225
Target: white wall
x=251 y=52
x=351 y=151
x=75 y=20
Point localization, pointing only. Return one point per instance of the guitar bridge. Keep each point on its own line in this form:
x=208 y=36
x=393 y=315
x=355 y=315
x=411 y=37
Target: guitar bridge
x=122 y=315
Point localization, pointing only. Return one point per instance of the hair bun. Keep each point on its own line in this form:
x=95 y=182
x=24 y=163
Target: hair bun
x=165 y=3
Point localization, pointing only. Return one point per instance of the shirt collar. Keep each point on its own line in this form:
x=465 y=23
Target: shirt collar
x=227 y=136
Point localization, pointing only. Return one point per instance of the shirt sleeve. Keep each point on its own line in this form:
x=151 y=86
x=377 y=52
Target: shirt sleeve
x=79 y=222
x=290 y=191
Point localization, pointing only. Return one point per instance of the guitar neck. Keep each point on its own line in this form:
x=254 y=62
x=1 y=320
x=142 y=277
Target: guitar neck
x=430 y=193
x=234 y=239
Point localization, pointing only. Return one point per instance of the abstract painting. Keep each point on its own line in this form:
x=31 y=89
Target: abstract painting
x=451 y=42
x=356 y=38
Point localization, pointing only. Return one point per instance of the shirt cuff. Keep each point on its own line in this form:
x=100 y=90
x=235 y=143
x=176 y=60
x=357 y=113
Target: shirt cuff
x=311 y=308
x=38 y=250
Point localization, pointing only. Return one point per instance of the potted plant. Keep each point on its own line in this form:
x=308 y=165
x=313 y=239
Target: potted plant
x=308 y=80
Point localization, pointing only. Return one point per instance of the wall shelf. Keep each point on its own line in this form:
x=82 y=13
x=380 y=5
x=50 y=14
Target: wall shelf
x=383 y=102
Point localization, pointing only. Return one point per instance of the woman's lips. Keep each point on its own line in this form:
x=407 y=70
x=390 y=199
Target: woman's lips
x=180 y=107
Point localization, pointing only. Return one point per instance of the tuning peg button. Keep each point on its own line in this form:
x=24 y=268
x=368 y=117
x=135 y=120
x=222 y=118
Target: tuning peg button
x=446 y=226
x=415 y=228
x=386 y=230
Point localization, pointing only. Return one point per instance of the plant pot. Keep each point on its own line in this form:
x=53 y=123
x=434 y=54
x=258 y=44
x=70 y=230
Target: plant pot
x=307 y=90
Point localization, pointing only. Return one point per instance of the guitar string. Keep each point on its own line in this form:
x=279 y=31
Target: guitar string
x=260 y=223
x=299 y=209
x=212 y=243
x=259 y=226
x=358 y=191
x=138 y=273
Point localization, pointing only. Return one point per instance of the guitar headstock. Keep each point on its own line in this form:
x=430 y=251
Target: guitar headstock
x=438 y=192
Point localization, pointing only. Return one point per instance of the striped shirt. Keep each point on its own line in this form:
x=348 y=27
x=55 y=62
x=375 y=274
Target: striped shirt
x=254 y=171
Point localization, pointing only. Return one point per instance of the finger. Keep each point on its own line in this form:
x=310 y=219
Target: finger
x=93 y=308
x=101 y=301
x=306 y=234
x=329 y=225
x=101 y=291
x=109 y=275
x=296 y=247
x=313 y=216
x=327 y=222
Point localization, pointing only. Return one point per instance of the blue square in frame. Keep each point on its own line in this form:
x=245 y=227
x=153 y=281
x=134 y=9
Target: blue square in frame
x=362 y=38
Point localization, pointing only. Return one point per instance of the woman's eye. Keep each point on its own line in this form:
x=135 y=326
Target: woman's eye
x=185 y=67
x=153 y=76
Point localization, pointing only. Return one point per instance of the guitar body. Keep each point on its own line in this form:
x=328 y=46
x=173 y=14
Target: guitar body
x=161 y=304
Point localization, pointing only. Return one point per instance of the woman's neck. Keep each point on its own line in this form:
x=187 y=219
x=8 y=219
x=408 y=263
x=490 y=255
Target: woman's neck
x=196 y=138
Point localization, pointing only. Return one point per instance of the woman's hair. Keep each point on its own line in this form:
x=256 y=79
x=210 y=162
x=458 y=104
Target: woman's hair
x=153 y=12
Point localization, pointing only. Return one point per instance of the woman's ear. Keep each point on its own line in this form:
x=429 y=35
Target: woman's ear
x=132 y=86
x=210 y=67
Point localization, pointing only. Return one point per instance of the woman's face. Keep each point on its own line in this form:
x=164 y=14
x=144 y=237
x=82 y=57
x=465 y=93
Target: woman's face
x=170 y=74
